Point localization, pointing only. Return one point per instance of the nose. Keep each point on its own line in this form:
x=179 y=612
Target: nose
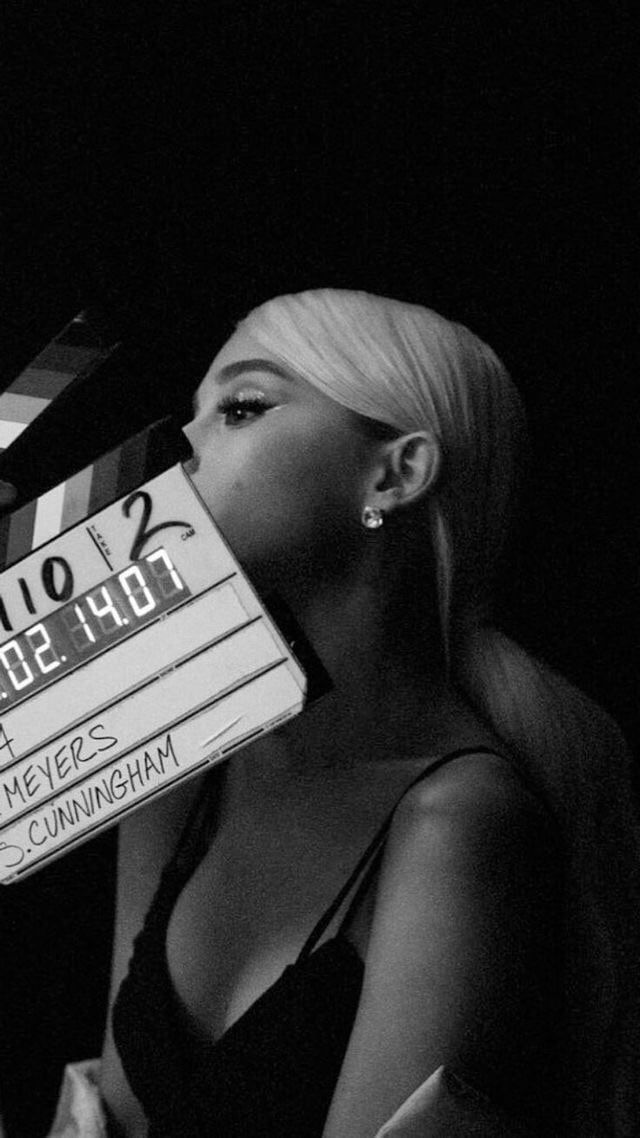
x=192 y=463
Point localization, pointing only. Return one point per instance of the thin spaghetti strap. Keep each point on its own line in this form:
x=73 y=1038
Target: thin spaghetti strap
x=329 y=914
x=196 y=832
x=370 y=860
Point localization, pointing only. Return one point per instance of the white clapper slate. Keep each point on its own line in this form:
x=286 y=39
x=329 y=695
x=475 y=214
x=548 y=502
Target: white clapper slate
x=134 y=652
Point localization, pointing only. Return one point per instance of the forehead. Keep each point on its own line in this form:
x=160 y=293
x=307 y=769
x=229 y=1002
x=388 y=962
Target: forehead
x=240 y=346
x=242 y=356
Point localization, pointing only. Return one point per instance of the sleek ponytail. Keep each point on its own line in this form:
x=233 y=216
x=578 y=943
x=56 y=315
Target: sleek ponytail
x=577 y=757
x=408 y=367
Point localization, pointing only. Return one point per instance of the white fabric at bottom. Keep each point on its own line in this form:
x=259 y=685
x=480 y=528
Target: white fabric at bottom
x=80 y=1113
x=442 y=1107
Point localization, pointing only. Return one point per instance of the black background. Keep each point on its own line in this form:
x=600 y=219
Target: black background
x=176 y=164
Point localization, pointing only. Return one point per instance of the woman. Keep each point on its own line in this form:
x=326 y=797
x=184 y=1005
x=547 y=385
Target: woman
x=361 y=456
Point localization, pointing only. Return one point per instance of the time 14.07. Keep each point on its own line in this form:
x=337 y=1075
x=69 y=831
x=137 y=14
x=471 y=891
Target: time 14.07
x=89 y=624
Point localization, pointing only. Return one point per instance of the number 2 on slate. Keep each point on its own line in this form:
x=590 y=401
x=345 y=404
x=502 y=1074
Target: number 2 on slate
x=144 y=533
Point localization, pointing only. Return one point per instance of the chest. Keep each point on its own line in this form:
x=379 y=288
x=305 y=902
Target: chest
x=248 y=909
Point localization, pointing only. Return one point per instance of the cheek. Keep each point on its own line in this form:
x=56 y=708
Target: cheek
x=291 y=503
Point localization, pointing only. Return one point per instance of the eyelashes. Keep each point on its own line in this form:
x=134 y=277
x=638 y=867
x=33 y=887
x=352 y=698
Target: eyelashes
x=239 y=409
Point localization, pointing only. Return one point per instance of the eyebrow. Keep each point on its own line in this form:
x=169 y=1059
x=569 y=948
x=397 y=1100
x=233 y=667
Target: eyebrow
x=230 y=371
x=240 y=367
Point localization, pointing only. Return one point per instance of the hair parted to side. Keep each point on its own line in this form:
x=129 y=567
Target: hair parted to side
x=406 y=366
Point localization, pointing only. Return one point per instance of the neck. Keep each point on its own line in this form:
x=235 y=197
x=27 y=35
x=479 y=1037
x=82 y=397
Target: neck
x=389 y=698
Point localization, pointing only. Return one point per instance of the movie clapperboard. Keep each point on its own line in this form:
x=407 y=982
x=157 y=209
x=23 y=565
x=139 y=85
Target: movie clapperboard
x=134 y=651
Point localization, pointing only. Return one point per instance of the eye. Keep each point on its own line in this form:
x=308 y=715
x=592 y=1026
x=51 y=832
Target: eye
x=239 y=408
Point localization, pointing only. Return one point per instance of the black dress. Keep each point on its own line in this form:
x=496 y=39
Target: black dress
x=273 y=1072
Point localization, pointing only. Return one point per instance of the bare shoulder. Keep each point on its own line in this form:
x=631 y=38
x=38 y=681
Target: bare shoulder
x=475 y=804
x=474 y=841
x=463 y=948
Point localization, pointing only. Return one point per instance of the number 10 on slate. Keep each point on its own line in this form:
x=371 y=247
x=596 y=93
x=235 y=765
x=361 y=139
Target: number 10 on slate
x=88 y=625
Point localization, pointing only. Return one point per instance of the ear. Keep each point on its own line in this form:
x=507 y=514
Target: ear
x=407 y=468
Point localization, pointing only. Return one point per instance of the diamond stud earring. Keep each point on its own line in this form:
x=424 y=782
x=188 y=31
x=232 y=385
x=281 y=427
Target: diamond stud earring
x=372 y=517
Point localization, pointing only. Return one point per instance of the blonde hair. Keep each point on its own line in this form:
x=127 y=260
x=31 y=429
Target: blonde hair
x=406 y=366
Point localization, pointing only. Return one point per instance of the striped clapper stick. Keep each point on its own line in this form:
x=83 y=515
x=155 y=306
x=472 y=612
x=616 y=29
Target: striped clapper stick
x=79 y=349
x=111 y=476
x=134 y=651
